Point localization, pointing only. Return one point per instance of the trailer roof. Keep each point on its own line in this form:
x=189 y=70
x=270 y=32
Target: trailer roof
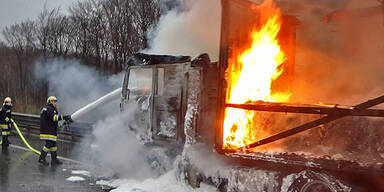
x=140 y=59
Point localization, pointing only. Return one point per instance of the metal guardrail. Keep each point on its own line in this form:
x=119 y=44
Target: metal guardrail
x=30 y=124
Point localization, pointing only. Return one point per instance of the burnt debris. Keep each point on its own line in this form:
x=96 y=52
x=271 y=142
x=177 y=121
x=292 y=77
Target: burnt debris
x=147 y=59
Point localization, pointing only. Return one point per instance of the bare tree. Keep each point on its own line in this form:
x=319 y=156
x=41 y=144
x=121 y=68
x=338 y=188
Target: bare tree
x=112 y=29
x=147 y=14
x=21 y=38
x=80 y=21
x=21 y=50
x=5 y=53
x=128 y=23
x=103 y=33
x=55 y=33
x=93 y=33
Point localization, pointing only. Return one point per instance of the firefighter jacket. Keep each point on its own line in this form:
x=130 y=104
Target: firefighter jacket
x=49 y=118
x=5 y=119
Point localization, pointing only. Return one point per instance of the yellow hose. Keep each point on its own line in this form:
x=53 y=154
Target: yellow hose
x=22 y=137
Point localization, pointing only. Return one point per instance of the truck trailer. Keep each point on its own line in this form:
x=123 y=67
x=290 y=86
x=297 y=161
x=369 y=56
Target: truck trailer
x=183 y=104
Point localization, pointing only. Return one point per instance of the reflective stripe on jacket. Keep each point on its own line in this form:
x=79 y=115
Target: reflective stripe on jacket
x=5 y=117
x=48 y=122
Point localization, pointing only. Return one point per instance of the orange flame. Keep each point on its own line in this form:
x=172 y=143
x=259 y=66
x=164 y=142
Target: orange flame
x=250 y=74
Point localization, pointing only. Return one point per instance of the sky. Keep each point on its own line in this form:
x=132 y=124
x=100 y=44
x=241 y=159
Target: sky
x=13 y=11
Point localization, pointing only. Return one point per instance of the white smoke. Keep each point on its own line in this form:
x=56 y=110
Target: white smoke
x=117 y=147
x=76 y=85
x=190 y=29
x=111 y=149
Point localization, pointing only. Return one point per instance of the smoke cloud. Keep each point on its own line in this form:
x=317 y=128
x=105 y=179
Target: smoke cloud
x=116 y=150
x=112 y=149
x=338 y=61
x=76 y=85
x=190 y=29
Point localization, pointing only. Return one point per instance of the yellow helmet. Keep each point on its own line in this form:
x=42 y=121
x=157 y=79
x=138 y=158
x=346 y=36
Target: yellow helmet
x=7 y=100
x=51 y=98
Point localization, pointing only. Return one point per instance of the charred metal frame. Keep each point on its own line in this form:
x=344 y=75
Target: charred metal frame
x=333 y=114
x=309 y=109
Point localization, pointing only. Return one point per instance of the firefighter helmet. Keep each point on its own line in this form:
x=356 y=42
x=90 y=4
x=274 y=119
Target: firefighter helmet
x=7 y=100
x=51 y=98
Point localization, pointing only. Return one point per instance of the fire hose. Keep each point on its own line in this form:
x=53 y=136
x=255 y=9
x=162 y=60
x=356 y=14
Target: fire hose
x=33 y=149
x=22 y=137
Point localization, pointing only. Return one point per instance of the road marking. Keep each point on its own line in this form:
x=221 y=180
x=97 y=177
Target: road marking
x=59 y=157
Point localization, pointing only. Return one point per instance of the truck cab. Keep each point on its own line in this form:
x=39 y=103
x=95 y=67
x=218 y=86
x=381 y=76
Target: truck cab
x=164 y=90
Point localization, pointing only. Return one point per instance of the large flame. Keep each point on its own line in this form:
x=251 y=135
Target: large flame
x=250 y=74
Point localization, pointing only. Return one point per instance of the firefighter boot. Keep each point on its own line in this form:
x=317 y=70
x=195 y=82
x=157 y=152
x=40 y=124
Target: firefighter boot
x=5 y=141
x=42 y=160
x=8 y=142
x=55 y=161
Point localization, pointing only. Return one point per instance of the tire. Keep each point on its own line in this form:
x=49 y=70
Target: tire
x=310 y=181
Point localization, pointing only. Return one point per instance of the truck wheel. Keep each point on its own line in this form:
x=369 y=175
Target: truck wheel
x=317 y=186
x=309 y=181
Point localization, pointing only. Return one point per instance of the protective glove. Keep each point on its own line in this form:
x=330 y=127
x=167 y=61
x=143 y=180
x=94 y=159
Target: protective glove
x=67 y=118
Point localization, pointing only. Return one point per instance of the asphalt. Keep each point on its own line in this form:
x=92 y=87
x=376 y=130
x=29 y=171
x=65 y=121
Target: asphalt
x=20 y=171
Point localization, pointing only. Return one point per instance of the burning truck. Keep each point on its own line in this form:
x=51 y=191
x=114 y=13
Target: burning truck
x=232 y=121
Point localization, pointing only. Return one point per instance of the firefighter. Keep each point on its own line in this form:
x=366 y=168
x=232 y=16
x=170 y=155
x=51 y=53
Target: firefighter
x=49 y=118
x=5 y=121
